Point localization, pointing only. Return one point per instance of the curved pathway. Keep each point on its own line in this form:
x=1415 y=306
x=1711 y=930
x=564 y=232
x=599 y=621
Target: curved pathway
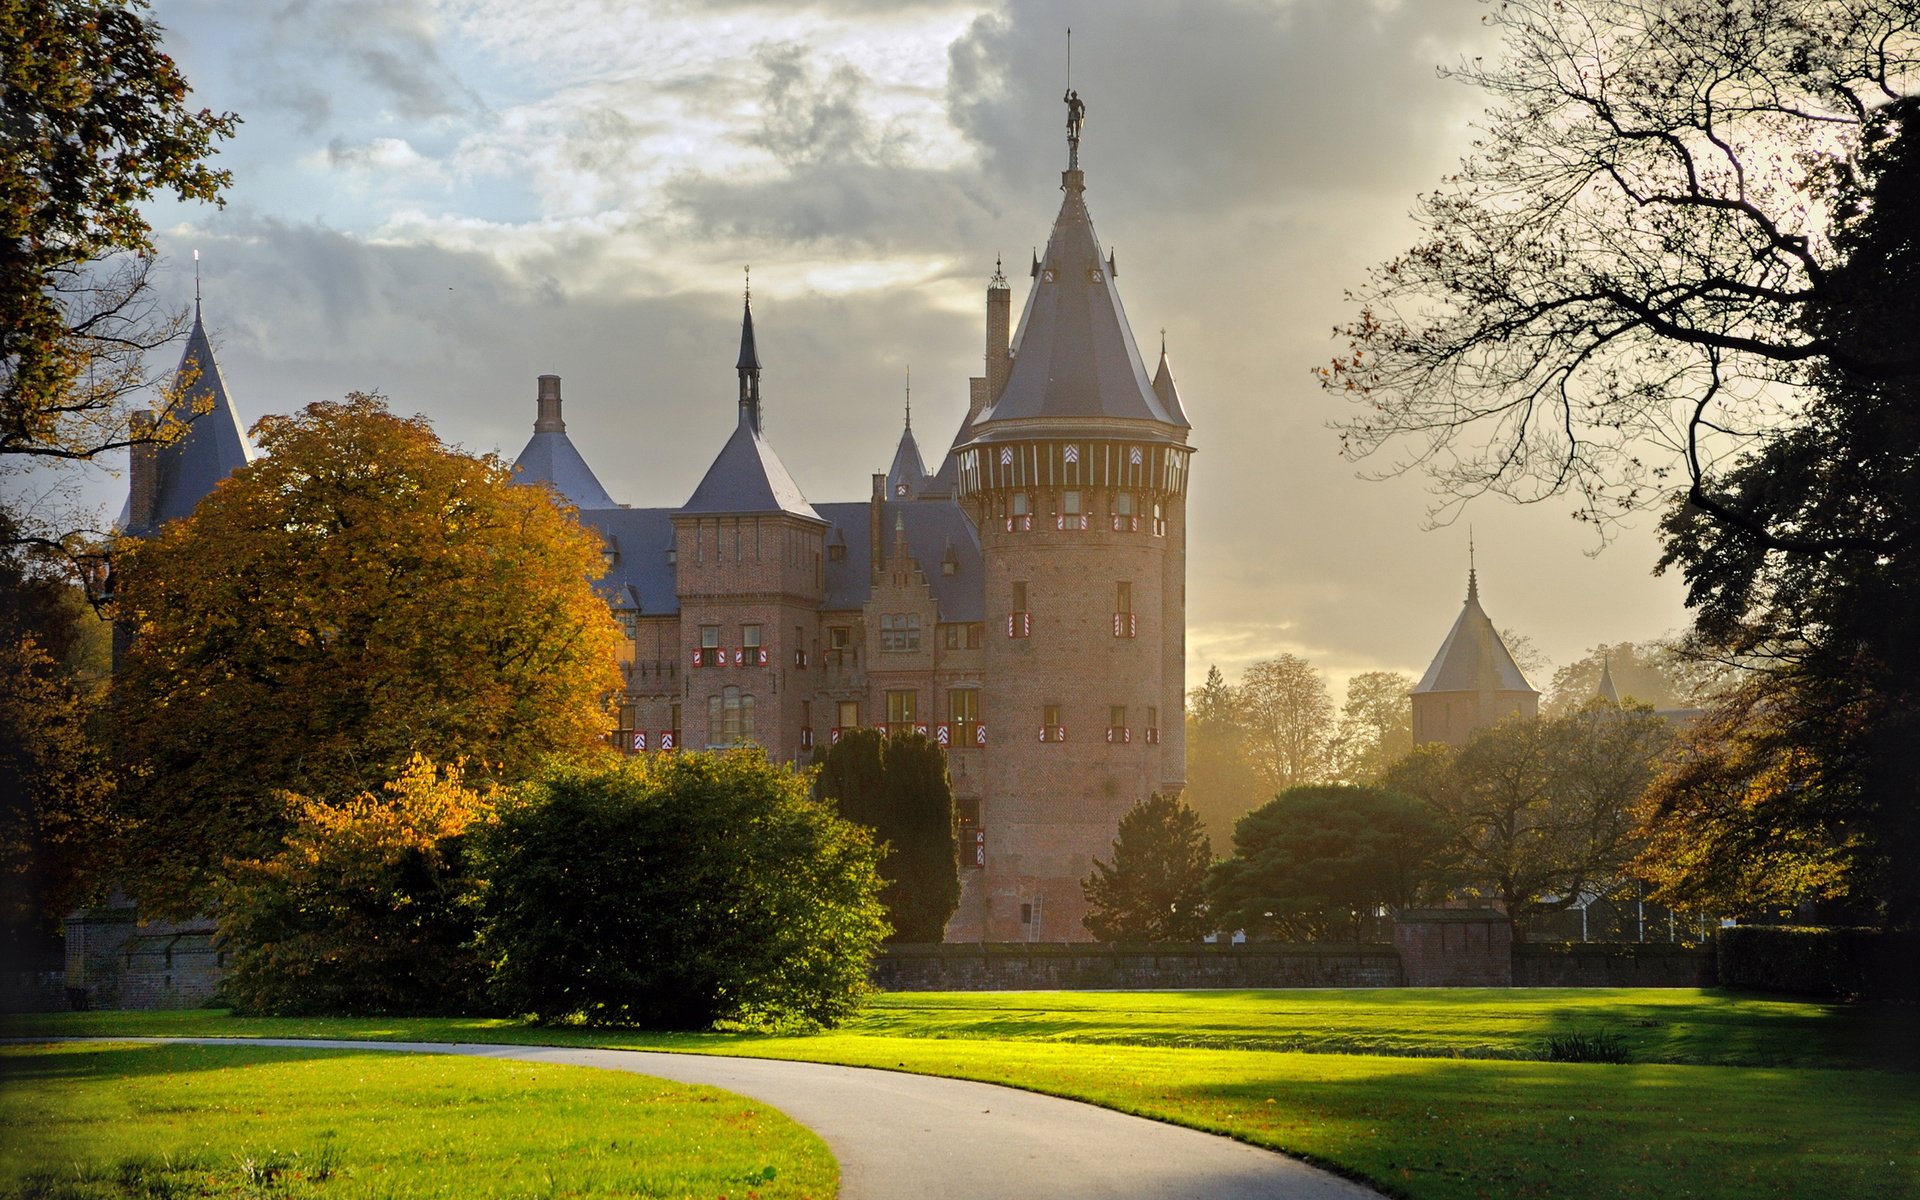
x=921 y=1137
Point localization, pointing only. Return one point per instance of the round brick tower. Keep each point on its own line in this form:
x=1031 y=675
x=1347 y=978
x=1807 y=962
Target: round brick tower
x=1075 y=476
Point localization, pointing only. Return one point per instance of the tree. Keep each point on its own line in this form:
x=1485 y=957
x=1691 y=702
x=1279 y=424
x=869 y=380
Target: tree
x=1317 y=860
x=678 y=891
x=1288 y=719
x=1825 y=628
x=96 y=125
x=1155 y=890
x=370 y=907
x=1614 y=290
x=1221 y=785
x=1376 y=725
x=1658 y=675
x=1537 y=813
x=55 y=791
x=898 y=788
x=361 y=595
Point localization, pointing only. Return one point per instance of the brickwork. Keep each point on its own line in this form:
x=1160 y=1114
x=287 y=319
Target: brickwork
x=959 y=967
x=1455 y=947
x=114 y=961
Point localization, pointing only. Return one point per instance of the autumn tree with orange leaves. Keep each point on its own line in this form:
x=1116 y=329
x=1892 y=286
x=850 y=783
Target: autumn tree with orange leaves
x=362 y=594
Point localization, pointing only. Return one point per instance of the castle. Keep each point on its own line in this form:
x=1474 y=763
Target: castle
x=1023 y=603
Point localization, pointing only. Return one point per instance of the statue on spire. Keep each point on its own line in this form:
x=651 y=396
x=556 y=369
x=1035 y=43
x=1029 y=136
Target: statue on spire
x=1076 y=114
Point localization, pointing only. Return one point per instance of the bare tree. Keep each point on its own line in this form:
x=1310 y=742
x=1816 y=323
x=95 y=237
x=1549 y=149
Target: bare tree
x=1288 y=718
x=1376 y=725
x=1609 y=299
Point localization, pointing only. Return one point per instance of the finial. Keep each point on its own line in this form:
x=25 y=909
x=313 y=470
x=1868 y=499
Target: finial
x=909 y=398
x=748 y=271
x=1163 y=341
x=196 y=285
x=999 y=279
x=1473 y=579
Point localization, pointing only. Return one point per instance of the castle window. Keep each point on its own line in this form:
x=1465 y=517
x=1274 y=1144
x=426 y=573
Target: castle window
x=1159 y=519
x=1020 y=619
x=1051 y=730
x=1153 y=726
x=974 y=630
x=673 y=720
x=838 y=636
x=1125 y=623
x=902 y=708
x=899 y=632
x=708 y=655
x=849 y=717
x=963 y=710
x=629 y=622
x=1125 y=520
x=1118 y=732
x=950 y=636
x=1020 y=516
x=729 y=718
x=1071 y=516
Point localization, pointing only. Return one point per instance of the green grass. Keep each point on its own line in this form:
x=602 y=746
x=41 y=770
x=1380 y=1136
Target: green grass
x=79 y=1122
x=1435 y=1095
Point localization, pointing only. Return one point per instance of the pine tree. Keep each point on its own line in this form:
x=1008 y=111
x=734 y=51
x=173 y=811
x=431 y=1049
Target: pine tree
x=898 y=788
x=1155 y=890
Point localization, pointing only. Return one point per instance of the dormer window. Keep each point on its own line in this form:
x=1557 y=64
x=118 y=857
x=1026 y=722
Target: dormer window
x=836 y=553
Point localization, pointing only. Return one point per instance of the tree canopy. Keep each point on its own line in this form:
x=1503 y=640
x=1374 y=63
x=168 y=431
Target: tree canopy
x=1287 y=717
x=1155 y=888
x=1538 y=812
x=95 y=124
x=898 y=788
x=1611 y=295
x=1221 y=784
x=360 y=595
x=1316 y=860
x=1376 y=725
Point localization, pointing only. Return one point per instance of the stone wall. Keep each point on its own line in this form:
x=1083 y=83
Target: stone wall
x=1016 y=966
x=1454 y=947
x=1612 y=964
x=33 y=991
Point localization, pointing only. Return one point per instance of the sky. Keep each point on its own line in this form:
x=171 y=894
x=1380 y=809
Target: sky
x=442 y=199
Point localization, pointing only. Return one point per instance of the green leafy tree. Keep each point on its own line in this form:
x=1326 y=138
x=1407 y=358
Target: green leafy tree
x=362 y=594
x=56 y=791
x=1821 y=616
x=95 y=125
x=1537 y=813
x=679 y=891
x=1658 y=674
x=898 y=788
x=1317 y=860
x=371 y=906
x=1376 y=725
x=1221 y=784
x=1155 y=888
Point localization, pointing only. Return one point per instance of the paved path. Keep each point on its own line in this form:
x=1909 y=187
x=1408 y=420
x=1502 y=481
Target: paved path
x=918 y=1137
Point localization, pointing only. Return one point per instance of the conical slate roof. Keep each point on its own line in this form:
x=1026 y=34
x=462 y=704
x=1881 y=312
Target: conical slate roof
x=213 y=446
x=1163 y=387
x=1473 y=658
x=748 y=477
x=550 y=456
x=908 y=475
x=1075 y=355
x=1607 y=691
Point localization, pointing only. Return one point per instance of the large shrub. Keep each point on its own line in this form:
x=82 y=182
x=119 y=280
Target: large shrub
x=370 y=907
x=677 y=892
x=897 y=787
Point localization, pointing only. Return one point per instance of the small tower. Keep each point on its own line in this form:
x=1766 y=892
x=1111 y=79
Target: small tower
x=1075 y=475
x=749 y=571
x=550 y=457
x=1473 y=682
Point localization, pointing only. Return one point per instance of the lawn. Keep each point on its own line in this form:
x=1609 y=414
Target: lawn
x=86 y=1121
x=1426 y=1094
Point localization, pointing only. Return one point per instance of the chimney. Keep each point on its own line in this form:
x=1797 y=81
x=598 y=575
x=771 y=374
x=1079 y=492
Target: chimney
x=547 y=414
x=143 y=472
x=999 y=335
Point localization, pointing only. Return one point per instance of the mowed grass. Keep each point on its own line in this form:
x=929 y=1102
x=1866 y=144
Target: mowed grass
x=82 y=1121
x=1425 y=1094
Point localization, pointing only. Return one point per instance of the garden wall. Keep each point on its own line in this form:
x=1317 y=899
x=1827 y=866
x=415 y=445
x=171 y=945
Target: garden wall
x=1017 y=966
x=1612 y=964
x=114 y=961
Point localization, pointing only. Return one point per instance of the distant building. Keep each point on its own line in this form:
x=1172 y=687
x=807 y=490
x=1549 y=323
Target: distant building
x=1473 y=682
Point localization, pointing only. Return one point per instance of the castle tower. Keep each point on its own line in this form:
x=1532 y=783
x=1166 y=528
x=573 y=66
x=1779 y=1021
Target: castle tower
x=550 y=456
x=749 y=572
x=1473 y=681
x=166 y=479
x=1075 y=475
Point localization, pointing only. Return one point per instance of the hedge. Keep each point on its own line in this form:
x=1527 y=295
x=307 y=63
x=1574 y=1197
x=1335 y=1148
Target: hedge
x=1838 y=963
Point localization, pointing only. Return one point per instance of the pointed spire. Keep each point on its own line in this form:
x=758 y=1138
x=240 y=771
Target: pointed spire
x=1473 y=579
x=1607 y=691
x=196 y=286
x=749 y=363
x=909 y=399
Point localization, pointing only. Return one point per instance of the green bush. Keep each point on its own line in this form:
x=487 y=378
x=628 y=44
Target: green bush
x=679 y=892
x=1840 y=963
x=1577 y=1047
x=897 y=787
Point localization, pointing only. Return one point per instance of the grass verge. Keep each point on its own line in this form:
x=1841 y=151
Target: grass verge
x=1425 y=1094
x=79 y=1122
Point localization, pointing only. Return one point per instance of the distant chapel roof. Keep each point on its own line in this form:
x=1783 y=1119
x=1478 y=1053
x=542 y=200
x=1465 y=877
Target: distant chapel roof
x=213 y=446
x=1474 y=657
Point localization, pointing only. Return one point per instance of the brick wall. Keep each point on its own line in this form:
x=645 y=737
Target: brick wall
x=1000 y=966
x=1455 y=947
x=120 y=963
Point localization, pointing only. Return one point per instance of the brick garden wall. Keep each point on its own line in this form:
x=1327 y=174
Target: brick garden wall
x=1016 y=966
x=1612 y=964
